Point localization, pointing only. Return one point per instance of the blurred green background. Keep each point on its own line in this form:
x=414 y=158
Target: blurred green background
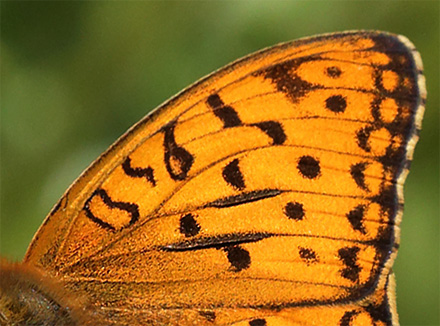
x=75 y=75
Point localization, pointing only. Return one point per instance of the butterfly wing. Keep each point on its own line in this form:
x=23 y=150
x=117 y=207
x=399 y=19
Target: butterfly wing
x=272 y=187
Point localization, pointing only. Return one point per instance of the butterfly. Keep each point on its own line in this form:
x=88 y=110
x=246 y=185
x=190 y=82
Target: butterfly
x=268 y=193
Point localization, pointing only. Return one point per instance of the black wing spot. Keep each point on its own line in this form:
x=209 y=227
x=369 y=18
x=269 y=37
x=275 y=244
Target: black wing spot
x=238 y=257
x=178 y=160
x=348 y=256
x=225 y=113
x=258 y=322
x=308 y=255
x=294 y=211
x=363 y=136
x=336 y=103
x=147 y=173
x=232 y=175
x=130 y=208
x=348 y=317
x=189 y=226
x=274 y=130
x=387 y=199
x=309 y=167
x=287 y=81
x=356 y=217
x=333 y=72
x=357 y=172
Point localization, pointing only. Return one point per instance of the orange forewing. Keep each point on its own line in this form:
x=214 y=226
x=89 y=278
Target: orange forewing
x=268 y=193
